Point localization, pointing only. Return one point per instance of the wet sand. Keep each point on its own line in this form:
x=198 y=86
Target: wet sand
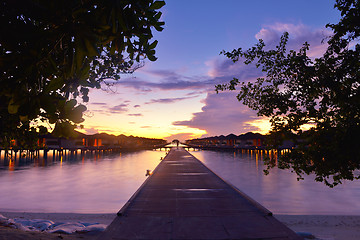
x=323 y=227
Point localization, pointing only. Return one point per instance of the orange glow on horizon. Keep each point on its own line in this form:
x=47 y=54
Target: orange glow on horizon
x=138 y=132
x=263 y=125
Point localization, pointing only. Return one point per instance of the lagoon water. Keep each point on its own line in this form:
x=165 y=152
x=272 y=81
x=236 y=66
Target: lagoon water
x=103 y=184
x=280 y=191
x=93 y=184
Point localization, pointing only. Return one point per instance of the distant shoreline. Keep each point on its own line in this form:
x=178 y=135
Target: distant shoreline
x=337 y=227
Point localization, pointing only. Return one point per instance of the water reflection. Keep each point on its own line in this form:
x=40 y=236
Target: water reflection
x=102 y=183
x=280 y=191
x=54 y=157
x=89 y=183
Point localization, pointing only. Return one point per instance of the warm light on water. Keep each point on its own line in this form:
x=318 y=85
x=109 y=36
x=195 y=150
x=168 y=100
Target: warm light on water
x=103 y=184
x=92 y=184
x=280 y=191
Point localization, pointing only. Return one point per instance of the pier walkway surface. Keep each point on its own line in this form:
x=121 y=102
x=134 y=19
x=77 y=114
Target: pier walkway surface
x=183 y=199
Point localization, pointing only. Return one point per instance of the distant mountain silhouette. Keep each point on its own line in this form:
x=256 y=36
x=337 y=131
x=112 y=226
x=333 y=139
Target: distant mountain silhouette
x=245 y=136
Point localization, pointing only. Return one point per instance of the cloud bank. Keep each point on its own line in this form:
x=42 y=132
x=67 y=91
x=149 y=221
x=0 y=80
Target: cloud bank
x=222 y=113
x=298 y=35
x=168 y=100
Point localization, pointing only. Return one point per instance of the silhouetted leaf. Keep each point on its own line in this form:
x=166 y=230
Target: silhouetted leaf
x=157 y=5
x=153 y=45
x=151 y=58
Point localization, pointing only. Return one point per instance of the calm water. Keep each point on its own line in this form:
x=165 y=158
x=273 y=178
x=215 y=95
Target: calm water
x=90 y=185
x=103 y=184
x=280 y=191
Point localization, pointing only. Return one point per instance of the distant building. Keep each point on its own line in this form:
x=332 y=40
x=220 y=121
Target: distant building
x=99 y=140
x=248 y=140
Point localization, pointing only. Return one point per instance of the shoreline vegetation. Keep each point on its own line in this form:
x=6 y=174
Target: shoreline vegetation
x=80 y=140
x=323 y=227
x=49 y=146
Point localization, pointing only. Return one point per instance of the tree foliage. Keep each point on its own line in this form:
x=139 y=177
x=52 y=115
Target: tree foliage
x=52 y=52
x=323 y=92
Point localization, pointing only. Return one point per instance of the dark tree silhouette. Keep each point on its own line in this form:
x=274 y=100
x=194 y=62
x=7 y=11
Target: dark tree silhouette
x=324 y=92
x=52 y=52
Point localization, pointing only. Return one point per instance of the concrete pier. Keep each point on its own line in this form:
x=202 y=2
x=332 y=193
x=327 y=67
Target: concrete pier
x=183 y=199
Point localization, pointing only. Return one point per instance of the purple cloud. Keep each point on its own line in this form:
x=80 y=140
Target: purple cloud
x=298 y=35
x=164 y=74
x=98 y=103
x=121 y=108
x=168 y=100
x=168 y=80
x=135 y=114
x=223 y=70
x=222 y=114
x=143 y=85
x=196 y=92
x=90 y=113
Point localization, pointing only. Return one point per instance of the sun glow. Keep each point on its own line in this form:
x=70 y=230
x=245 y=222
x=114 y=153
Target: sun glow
x=263 y=125
x=141 y=115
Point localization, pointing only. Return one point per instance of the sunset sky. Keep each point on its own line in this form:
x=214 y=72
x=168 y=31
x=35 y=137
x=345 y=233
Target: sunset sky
x=174 y=97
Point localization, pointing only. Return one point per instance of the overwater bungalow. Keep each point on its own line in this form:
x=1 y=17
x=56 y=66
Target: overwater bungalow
x=51 y=142
x=248 y=140
x=99 y=140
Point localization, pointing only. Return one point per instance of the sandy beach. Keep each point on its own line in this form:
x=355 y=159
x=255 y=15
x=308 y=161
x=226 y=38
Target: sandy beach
x=323 y=227
x=9 y=233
